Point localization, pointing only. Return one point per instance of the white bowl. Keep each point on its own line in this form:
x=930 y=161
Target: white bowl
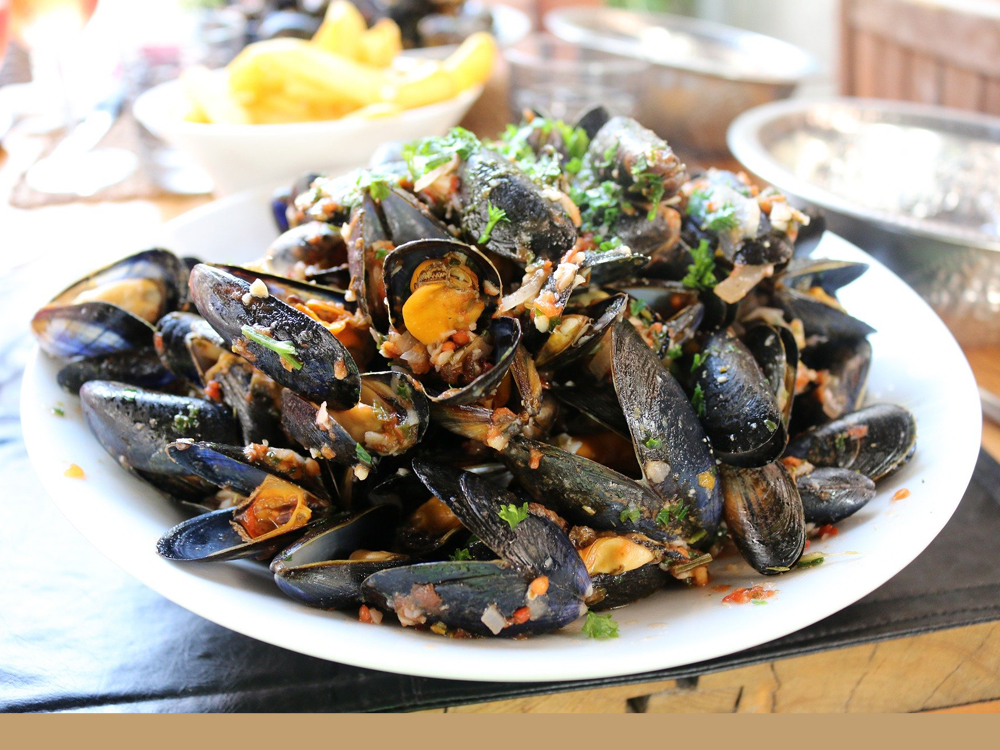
x=917 y=364
x=239 y=157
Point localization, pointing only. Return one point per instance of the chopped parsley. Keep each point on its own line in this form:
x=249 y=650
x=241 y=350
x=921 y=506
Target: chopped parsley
x=758 y=602
x=58 y=411
x=636 y=306
x=402 y=389
x=676 y=512
x=460 y=554
x=600 y=206
x=284 y=349
x=600 y=627
x=531 y=146
x=718 y=218
x=652 y=442
x=183 y=422
x=699 y=358
x=512 y=514
x=496 y=215
x=380 y=253
x=701 y=273
x=841 y=442
x=630 y=514
x=675 y=352
x=647 y=183
x=129 y=394
x=423 y=155
x=698 y=400
x=698 y=536
x=363 y=456
x=378 y=187
x=770 y=425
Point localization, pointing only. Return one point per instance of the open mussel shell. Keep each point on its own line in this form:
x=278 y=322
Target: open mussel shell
x=114 y=308
x=284 y=288
x=652 y=241
x=329 y=441
x=212 y=537
x=538 y=228
x=535 y=546
x=439 y=260
x=597 y=318
x=504 y=334
x=670 y=444
x=776 y=352
x=593 y=120
x=187 y=345
x=494 y=427
x=479 y=597
x=307 y=248
x=141 y=367
x=254 y=398
x=428 y=526
x=764 y=516
x=608 y=266
x=830 y=495
x=623 y=148
x=321 y=368
x=243 y=469
x=741 y=414
x=582 y=491
x=875 y=441
x=134 y=424
x=821 y=321
x=317 y=570
x=368 y=243
x=409 y=220
x=841 y=388
x=804 y=274
x=613 y=590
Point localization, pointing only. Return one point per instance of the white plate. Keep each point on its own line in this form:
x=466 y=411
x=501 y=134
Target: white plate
x=917 y=364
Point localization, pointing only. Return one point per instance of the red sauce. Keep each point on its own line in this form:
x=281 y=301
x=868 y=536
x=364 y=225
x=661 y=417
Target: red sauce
x=901 y=494
x=747 y=595
x=827 y=531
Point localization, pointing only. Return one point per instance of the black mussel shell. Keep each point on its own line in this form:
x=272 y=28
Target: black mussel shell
x=830 y=275
x=602 y=315
x=315 y=244
x=535 y=546
x=633 y=149
x=841 y=389
x=741 y=414
x=593 y=120
x=822 y=322
x=582 y=491
x=325 y=370
x=764 y=516
x=211 y=537
x=670 y=444
x=876 y=441
x=830 y=495
x=329 y=441
x=410 y=220
x=505 y=334
x=475 y=596
x=776 y=352
x=142 y=368
x=187 y=345
x=316 y=569
x=134 y=425
x=613 y=590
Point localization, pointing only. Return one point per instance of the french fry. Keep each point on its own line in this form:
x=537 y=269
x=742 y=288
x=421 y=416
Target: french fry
x=425 y=88
x=342 y=30
x=290 y=66
x=381 y=44
x=210 y=96
x=472 y=63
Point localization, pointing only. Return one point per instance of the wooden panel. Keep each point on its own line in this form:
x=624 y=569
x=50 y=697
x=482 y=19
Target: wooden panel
x=893 y=79
x=960 y=88
x=990 y=707
x=936 y=670
x=967 y=40
x=991 y=97
x=866 y=68
x=925 y=80
x=599 y=700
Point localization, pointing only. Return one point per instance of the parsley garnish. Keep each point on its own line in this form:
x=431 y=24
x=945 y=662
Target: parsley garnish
x=284 y=349
x=675 y=352
x=380 y=253
x=183 y=422
x=698 y=536
x=58 y=411
x=512 y=514
x=630 y=514
x=496 y=215
x=841 y=442
x=129 y=394
x=600 y=627
x=636 y=306
x=647 y=183
x=460 y=554
x=402 y=389
x=676 y=512
x=653 y=442
x=698 y=400
x=697 y=361
x=811 y=560
x=430 y=153
x=363 y=456
x=719 y=219
x=378 y=189
x=701 y=273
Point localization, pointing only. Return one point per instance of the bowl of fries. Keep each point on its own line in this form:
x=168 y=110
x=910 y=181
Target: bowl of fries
x=286 y=106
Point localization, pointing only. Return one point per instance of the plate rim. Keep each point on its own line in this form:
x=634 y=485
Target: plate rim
x=495 y=655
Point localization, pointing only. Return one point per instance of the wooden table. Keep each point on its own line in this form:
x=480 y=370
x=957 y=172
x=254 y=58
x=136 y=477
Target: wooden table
x=959 y=667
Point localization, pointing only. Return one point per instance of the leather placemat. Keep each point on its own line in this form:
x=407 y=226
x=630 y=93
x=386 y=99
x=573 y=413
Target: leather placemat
x=76 y=633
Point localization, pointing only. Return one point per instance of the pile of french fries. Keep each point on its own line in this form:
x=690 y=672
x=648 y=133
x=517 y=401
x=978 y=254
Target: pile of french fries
x=345 y=70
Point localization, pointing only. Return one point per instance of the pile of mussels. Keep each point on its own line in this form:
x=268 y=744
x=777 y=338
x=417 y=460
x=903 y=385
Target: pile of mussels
x=483 y=387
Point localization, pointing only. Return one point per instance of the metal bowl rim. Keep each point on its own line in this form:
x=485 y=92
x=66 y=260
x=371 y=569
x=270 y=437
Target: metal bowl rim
x=564 y=23
x=743 y=138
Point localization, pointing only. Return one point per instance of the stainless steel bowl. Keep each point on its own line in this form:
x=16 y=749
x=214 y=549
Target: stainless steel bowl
x=702 y=75
x=917 y=186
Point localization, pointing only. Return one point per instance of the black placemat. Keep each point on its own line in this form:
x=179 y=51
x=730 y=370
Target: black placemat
x=76 y=633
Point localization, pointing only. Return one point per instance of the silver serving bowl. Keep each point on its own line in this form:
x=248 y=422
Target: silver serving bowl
x=916 y=186
x=702 y=75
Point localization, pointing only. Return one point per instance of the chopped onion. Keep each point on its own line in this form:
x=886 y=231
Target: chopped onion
x=494 y=619
x=740 y=281
x=529 y=289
